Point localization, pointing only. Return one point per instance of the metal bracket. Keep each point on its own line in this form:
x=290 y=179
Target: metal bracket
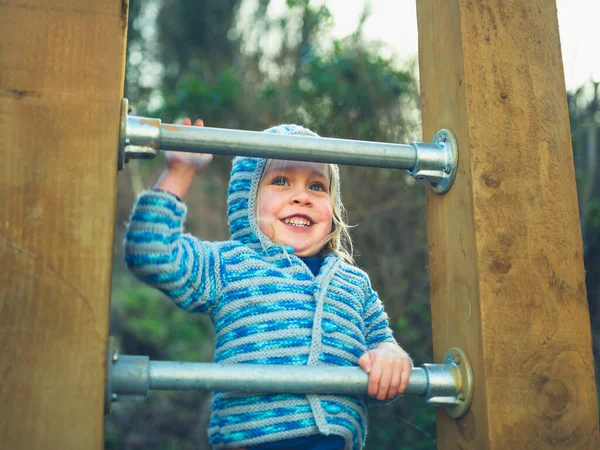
x=130 y=383
x=111 y=356
x=437 y=162
x=458 y=365
x=122 y=158
x=139 y=137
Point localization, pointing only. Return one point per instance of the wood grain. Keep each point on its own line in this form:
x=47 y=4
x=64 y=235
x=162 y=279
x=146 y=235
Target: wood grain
x=506 y=266
x=61 y=81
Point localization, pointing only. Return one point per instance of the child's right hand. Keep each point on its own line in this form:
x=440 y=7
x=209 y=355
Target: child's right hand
x=184 y=160
x=181 y=168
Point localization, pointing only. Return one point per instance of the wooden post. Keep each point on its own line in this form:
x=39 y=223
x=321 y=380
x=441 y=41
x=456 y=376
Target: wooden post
x=61 y=81
x=506 y=268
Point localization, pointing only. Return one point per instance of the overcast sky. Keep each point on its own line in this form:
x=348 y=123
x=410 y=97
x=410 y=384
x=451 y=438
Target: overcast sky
x=395 y=22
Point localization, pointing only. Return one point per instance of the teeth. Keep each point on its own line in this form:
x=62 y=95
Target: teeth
x=297 y=222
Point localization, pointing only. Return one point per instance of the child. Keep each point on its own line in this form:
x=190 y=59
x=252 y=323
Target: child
x=282 y=290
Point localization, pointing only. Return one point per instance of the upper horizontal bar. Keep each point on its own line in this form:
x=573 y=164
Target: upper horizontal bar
x=144 y=132
x=436 y=161
x=297 y=148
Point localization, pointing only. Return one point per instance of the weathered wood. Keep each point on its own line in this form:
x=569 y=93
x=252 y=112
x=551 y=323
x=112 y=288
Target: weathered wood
x=506 y=268
x=61 y=81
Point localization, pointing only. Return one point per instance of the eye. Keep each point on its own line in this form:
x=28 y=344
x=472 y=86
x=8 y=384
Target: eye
x=280 y=181
x=317 y=186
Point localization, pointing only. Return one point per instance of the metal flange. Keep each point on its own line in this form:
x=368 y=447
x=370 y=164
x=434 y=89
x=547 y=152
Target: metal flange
x=139 y=137
x=122 y=158
x=463 y=374
x=437 y=162
x=111 y=356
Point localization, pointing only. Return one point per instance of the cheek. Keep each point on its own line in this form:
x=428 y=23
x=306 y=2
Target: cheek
x=266 y=228
x=330 y=219
x=265 y=214
x=264 y=207
x=326 y=211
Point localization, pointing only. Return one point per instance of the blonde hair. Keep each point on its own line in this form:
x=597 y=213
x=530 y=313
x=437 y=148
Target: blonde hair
x=339 y=240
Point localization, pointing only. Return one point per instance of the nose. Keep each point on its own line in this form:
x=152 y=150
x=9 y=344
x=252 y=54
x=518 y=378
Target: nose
x=300 y=197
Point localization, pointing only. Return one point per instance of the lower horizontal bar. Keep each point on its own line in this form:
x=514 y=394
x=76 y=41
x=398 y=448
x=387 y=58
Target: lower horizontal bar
x=448 y=385
x=136 y=375
x=269 y=378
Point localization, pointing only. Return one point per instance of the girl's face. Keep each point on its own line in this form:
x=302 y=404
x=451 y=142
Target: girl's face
x=294 y=206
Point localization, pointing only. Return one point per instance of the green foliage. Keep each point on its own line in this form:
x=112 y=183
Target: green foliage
x=146 y=323
x=150 y=325
x=213 y=97
x=192 y=30
x=164 y=420
x=348 y=92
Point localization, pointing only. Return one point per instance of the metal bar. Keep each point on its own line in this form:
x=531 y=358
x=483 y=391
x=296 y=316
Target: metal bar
x=448 y=385
x=136 y=375
x=144 y=133
x=435 y=162
x=279 y=146
x=269 y=378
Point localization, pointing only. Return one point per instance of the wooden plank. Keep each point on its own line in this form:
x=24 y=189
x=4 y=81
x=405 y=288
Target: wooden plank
x=61 y=81
x=506 y=268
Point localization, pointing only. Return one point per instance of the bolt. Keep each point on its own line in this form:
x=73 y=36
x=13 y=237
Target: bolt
x=452 y=359
x=115 y=356
x=443 y=137
x=461 y=396
x=447 y=170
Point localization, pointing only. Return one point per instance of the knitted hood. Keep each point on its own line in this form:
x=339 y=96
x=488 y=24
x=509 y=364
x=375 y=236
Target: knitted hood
x=246 y=173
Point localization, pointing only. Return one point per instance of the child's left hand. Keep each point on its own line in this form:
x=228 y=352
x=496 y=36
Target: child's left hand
x=389 y=369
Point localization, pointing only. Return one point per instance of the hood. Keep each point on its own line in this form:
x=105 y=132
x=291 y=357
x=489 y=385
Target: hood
x=246 y=173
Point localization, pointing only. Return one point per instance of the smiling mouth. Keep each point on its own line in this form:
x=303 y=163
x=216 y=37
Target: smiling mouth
x=297 y=221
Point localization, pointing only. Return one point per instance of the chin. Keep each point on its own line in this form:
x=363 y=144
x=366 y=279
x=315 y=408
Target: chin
x=306 y=252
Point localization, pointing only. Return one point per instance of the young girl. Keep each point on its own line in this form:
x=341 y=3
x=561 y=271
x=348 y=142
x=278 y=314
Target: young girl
x=282 y=290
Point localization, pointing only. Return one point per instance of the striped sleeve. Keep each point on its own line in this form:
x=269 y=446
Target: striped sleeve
x=161 y=255
x=377 y=328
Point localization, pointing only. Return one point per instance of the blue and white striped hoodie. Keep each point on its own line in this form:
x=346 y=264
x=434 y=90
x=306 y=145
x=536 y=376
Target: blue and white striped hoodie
x=267 y=308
